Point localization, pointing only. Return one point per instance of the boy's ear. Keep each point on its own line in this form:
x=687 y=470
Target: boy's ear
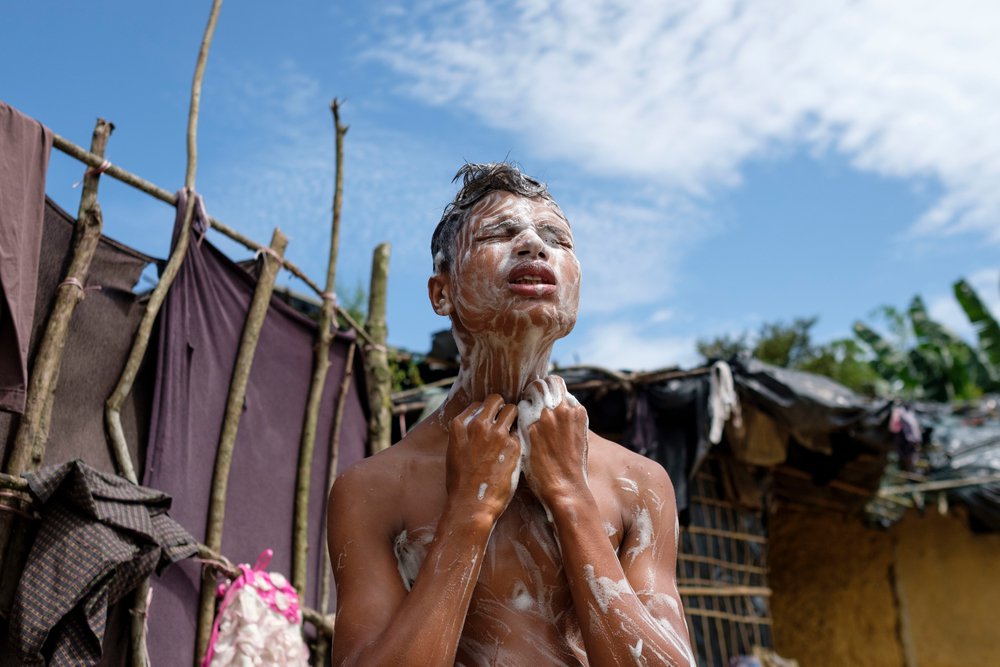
x=439 y=291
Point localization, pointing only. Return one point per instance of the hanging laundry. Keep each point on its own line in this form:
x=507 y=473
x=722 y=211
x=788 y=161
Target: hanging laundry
x=111 y=316
x=669 y=424
x=25 y=145
x=723 y=401
x=100 y=535
x=200 y=328
x=903 y=423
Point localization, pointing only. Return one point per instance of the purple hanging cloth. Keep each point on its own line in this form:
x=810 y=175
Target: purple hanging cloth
x=25 y=145
x=200 y=328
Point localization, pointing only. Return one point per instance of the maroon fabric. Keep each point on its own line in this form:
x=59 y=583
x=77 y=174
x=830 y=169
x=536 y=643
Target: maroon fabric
x=25 y=145
x=200 y=328
x=107 y=318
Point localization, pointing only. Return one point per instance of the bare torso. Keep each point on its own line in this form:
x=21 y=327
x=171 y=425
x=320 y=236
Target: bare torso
x=521 y=611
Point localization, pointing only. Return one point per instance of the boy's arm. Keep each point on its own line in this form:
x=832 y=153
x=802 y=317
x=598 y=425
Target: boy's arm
x=628 y=609
x=378 y=622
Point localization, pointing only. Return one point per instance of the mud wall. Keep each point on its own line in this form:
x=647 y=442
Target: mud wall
x=922 y=594
x=832 y=603
x=949 y=588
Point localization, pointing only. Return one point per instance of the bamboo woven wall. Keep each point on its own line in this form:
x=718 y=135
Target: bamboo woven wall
x=722 y=574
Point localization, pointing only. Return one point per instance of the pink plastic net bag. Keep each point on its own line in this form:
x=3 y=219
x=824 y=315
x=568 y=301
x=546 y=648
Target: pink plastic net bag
x=258 y=621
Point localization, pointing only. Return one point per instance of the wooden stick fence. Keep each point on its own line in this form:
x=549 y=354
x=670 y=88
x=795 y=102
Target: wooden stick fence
x=29 y=446
x=377 y=357
x=124 y=387
x=230 y=427
x=141 y=184
x=321 y=364
x=323 y=646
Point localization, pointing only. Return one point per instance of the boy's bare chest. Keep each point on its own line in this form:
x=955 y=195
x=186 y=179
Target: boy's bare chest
x=522 y=568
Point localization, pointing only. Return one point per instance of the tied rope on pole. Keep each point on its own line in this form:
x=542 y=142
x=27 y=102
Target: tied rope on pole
x=93 y=171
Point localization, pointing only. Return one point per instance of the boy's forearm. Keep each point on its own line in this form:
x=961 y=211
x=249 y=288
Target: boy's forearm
x=616 y=626
x=428 y=624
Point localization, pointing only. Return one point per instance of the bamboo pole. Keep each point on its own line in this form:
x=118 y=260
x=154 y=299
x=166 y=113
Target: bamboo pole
x=321 y=365
x=323 y=646
x=340 y=131
x=139 y=183
x=143 y=592
x=113 y=406
x=13 y=482
x=230 y=426
x=320 y=622
x=29 y=445
x=114 y=171
x=195 y=105
x=725 y=591
x=376 y=355
x=938 y=485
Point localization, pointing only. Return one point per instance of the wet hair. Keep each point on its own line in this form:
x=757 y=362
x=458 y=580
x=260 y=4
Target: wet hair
x=479 y=180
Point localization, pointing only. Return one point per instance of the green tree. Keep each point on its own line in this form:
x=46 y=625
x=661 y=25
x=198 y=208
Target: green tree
x=986 y=326
x=786 y=345
x=845 y=361
x=790 y=345
x=354 y=301
x=922 y=358
x=723 y=347
x=899 y=352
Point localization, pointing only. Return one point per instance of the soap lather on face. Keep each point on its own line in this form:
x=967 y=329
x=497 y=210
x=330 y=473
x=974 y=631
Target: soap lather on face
x=507 y=275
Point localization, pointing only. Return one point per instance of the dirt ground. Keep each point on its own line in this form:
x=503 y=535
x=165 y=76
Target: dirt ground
x=920 y=594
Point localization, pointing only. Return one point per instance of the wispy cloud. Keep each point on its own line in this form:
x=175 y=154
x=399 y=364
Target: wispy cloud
x=626 y=345
x=632 y=252
x=683 y=93
x=276 y=140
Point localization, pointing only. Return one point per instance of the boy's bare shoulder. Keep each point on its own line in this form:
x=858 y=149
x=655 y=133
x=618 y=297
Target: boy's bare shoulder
x=385 y=478
x=613 y=462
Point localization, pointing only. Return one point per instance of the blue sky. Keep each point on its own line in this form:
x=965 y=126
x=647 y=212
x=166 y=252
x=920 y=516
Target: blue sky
x=722 y=163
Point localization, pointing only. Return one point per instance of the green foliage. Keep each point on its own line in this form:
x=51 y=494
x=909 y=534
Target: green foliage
x=924 y=359
x=723 y=347
x=404 y=371
x=790 y=345
x=845 y=361
x=886 y=361
x=787 y=345
x=986 y=326
x=354 y=301
x=903 y=353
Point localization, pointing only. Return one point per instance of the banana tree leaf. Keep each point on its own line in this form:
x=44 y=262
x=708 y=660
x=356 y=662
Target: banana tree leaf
x=986 y=325
x=888 y=363
x=967 y=373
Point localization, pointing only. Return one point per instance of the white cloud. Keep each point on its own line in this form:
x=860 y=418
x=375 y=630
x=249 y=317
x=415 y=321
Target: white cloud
x=661 y=315
x=945 y=309
x=278 y=170
x=622 y=345
x=684 y=92
x=631 y=253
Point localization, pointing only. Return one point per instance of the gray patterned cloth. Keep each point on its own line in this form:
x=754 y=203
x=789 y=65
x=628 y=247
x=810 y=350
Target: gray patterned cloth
x=99 y=537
